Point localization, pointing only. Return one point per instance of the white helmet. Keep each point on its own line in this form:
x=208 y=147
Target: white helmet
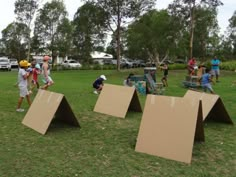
x=103 y=77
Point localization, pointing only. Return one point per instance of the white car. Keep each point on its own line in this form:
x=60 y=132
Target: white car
x=14 y=63
x=5 y=64
x=72 y=64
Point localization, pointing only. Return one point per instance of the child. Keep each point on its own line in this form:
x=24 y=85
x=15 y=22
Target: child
x=165 y=74
x=22 y=84
x=128 y=81
x=46 y=73
x=98 y=84
x=206 y=80
x=35 y=72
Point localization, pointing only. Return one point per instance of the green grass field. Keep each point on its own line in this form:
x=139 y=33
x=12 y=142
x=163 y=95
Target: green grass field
x=104 y=146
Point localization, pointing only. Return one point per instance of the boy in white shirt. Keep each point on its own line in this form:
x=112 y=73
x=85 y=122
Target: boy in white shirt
x=23 y=84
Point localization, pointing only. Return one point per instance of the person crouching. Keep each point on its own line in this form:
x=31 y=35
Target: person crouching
x=98 y=84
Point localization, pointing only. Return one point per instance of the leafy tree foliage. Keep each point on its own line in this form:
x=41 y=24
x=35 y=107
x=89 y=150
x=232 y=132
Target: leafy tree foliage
x=118 y=12
x=186 y=10
x=15 y=37
x=50 y=17
x=25 y=10
x=232 y=32
x=152 y=36
x=206 y=32
x=90 y=29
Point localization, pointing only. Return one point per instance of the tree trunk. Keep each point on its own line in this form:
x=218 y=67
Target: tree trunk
x=118 y=39
x=191 y=29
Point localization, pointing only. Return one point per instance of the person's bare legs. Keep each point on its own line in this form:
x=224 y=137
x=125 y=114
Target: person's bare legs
x=28 y=99
x=20 y=102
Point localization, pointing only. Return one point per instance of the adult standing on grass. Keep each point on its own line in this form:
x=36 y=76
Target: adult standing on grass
x=23 y=84
x=46 y=73
x=215 y=68
x=98 y=84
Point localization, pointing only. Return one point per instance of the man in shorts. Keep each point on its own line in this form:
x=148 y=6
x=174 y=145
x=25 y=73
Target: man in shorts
x=215 y=68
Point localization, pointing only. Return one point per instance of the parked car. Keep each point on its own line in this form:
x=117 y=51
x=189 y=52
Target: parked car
x=14 y=63
x=125 y=63
x=71 y=64
x=139 y=63
x=5 y=64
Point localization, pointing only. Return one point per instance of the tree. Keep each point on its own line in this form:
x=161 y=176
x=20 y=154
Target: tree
x=14 y=38
x=64 y=37
x=232 y=32
x=186 y=10
x=50 y=17
x=90 y=29
x=25 y=10
x=152 y=36
x=206 y=31
x=119 y=11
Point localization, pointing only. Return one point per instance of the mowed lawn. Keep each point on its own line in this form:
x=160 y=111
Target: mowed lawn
x=105 y=145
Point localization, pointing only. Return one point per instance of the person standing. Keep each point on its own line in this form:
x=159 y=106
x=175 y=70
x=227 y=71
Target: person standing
x=98 y=84
x=215 y=68
x=165 y=74
x=23 y=84
x=192 y=63
x=46 y=73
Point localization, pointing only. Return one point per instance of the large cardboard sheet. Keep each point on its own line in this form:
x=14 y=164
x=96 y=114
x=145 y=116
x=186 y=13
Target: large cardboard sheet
x=46 y=106
x=212 y=105
x=116 y=100
x=169 y=127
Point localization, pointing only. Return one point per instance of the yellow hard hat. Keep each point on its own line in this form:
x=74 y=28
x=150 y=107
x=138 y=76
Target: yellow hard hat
x=24 y=63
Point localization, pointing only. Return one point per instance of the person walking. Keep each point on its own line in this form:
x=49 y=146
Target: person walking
x=46 y=73
x=23 y=84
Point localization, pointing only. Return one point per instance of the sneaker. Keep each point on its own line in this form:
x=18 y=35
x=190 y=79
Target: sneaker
x=20 y=110
x=95 y=92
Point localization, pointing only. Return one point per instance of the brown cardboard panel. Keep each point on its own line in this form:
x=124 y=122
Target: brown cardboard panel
x=116 y=100
x=46 y=106
x=213 y=107
x=168 y=128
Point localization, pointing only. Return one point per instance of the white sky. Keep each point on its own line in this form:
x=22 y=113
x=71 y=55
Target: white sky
x=7 y=11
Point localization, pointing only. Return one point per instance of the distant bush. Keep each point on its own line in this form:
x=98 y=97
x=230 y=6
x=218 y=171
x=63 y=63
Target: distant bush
x=177 y=66
x=228 y=65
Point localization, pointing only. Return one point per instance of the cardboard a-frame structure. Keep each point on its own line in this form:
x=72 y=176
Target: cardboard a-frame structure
x=116 y=100
x=212 y=105
x=46 y=106
x=169 y=127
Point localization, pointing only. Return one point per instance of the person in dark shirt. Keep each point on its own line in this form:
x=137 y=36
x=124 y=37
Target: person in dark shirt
x=98 y=84
x=127 y=81
x=165 y=74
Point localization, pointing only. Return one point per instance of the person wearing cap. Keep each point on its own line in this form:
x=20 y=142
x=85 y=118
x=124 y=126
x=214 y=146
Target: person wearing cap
x=98 y=84
x=36 y=71
x=23 y=84
x=46 y=73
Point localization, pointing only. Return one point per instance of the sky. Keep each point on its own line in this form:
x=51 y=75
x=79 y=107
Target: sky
x=7 y=15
